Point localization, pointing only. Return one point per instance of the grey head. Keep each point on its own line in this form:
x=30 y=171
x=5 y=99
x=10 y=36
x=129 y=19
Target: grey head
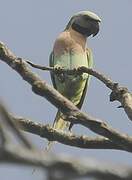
x=85 y=22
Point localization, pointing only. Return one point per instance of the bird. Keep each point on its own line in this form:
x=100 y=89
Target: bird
x=70 y=52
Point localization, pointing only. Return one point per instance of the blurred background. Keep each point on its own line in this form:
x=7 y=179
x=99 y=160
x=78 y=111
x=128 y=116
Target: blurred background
x=29 y=28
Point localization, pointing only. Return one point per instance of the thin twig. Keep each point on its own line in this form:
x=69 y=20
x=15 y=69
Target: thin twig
x=44 y=68
x=6 y=118
x=107 y=81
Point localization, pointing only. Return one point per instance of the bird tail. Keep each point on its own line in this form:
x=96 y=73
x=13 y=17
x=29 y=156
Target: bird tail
x=59 y=123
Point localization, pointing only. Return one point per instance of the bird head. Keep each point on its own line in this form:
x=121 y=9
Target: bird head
x=85 y=22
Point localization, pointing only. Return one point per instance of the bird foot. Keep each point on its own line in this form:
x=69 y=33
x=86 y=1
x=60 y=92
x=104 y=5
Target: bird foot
x=77 y=71
x=58 y=69
x=59 y=73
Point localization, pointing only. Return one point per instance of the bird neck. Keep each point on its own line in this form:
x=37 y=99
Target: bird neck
x=78 y=37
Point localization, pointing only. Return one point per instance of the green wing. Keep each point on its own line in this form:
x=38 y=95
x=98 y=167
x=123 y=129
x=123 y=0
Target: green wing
x=90 y=65
x=58 y=123
x=51 y=64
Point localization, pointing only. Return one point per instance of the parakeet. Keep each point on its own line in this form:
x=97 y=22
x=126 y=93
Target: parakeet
x=70 y=52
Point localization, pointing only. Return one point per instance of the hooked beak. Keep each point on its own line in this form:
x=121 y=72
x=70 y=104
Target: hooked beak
x=96 y=29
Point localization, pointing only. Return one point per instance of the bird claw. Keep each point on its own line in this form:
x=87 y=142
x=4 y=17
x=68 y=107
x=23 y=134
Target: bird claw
x=58 y=69
x=77 y=71
x=59 y=73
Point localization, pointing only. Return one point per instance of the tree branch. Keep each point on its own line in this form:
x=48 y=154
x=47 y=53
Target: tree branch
x=3 y=137
x=64 y=166
x=66 y=138
x=7 y=119
x=59 y=166
x=120 y=94
x=74 y=115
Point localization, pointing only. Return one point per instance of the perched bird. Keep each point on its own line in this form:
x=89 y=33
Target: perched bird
x=70 y=52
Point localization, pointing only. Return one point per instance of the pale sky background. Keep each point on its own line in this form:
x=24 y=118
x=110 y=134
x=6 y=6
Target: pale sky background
x=29 y=28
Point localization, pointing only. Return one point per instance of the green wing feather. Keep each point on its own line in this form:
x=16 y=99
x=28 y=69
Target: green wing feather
x=58 y=123
x=51 y=64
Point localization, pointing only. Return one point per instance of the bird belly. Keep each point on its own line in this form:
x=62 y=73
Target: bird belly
x=72 y=86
